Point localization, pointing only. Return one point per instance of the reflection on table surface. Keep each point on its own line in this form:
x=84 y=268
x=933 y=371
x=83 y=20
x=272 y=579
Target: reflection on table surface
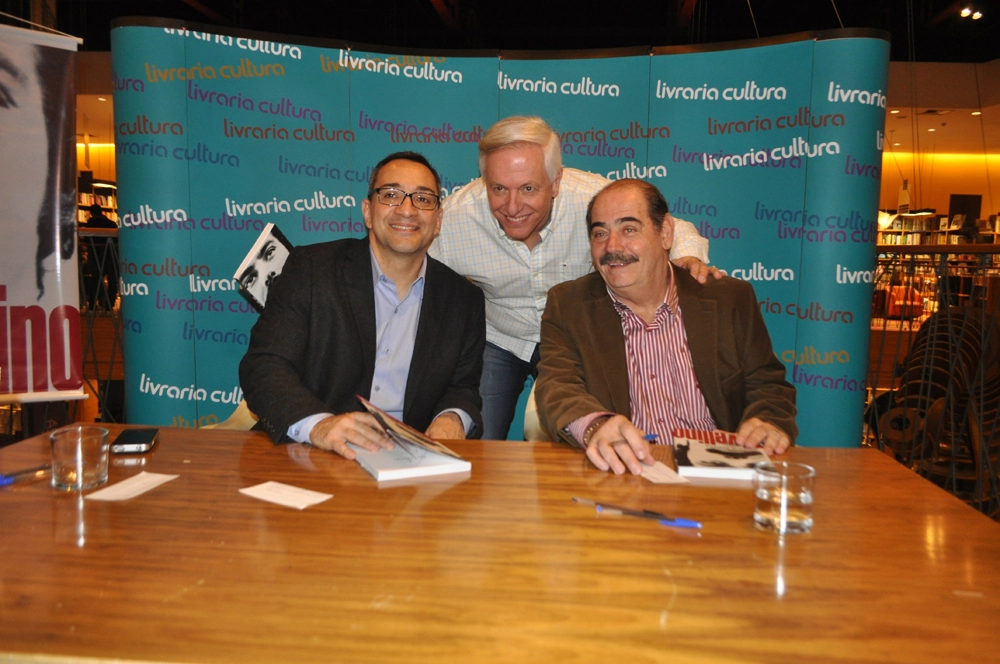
x=499 y=566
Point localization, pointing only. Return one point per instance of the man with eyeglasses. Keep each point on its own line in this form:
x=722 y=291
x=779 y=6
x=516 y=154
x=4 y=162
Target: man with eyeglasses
x=374 y=317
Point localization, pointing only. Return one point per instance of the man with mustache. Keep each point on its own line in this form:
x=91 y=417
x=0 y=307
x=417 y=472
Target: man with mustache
x=642 y=348
x=516 y=232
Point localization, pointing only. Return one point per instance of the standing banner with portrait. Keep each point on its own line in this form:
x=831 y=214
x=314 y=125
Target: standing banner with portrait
x=220 y=133
x=40 y=349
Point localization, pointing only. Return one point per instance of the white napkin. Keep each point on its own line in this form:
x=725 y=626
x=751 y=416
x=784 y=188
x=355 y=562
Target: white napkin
x=132 y=487
x=285 y=494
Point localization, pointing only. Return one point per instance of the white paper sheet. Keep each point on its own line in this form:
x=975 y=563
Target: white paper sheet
x=659 y=473
x=285 y=494
x=132 y=487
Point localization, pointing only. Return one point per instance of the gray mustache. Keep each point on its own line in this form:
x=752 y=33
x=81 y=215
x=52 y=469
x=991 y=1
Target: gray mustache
x=618 y=258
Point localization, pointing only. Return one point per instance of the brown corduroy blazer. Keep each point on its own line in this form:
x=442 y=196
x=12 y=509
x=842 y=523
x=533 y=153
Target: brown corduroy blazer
x=583 y=367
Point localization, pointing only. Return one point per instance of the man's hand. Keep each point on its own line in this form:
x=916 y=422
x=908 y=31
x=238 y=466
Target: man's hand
x=698 y=270
x=618 y=443
x=755 y=433
x=361 y=429
x=446 y=426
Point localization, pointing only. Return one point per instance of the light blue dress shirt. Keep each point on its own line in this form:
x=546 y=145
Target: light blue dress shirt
x=395 y=333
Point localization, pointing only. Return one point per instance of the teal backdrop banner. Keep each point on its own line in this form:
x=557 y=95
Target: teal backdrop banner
x=763 y=147
x=438 y=106
x=591 y=103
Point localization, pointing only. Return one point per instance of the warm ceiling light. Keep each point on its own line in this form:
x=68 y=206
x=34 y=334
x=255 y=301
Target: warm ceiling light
x=966 y=12
x=977 y=16
x=894 y=111
x=977 y=112
x=932 y=129
x=101 y=99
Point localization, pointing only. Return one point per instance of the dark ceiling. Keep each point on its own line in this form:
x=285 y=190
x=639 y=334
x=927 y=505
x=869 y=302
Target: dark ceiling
x=922 y=30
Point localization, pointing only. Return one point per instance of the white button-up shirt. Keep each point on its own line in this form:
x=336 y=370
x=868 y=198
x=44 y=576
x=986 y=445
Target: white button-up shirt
x=516 y=281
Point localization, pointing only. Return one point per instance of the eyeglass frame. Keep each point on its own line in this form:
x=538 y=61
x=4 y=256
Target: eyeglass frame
x=378 y=195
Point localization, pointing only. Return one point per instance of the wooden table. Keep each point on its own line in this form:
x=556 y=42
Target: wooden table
x=500 y=567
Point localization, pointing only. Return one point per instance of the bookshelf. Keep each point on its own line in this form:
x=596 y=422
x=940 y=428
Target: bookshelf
x=934 y=230
x=105 y=194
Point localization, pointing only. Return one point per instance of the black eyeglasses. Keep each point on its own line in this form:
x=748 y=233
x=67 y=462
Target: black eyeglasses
x=394 y=197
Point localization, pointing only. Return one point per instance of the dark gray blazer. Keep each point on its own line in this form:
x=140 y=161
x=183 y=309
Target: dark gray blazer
x=583 y=368
x=313 y=348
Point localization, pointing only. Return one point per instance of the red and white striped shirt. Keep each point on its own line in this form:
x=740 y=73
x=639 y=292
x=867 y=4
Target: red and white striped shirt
x=663 y=389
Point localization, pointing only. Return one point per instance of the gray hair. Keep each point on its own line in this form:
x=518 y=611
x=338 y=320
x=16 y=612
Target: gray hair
x=523 y=129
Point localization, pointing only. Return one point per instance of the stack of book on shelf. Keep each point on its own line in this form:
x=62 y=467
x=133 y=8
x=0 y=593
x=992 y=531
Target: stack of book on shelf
x=897 y=237
x=106 y=199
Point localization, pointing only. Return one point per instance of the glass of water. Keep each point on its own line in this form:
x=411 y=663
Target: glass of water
x=783 y=496
x=79 y=457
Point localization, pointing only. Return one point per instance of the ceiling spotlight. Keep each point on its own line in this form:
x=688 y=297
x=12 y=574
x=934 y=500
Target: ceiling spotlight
x=977 y=16
x=894 y=111
x=965 y=13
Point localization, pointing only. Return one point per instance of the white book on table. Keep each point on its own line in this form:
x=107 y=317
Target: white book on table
x=408 y=461
x=414 y=455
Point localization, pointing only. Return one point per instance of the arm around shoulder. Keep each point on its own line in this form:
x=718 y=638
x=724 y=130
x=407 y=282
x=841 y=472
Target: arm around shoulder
x=688 y=242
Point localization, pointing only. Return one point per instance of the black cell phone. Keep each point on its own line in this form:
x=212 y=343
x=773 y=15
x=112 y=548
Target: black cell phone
x=134 y=441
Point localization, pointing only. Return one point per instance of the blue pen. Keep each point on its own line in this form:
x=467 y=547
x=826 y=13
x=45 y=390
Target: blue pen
x=24 y=475
x=607 y=508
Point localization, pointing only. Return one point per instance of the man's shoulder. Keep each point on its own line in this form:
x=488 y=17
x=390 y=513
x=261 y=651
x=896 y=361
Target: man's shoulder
x=440 y=274
x=467 y=221
x=723 y=288
x=323 y=263
x=331 y=250
x=727 y=284
x=585 y=182
x=470 y=194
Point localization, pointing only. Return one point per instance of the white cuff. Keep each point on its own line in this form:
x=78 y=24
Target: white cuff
x=299 y=432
